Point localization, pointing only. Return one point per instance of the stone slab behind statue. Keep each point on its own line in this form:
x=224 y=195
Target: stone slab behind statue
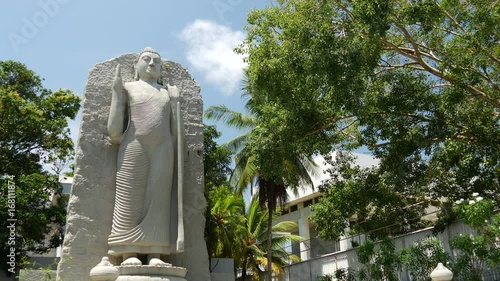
x=90 y=207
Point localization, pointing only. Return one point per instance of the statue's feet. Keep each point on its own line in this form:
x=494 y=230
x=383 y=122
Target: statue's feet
x=158 y=262
x=131 y=261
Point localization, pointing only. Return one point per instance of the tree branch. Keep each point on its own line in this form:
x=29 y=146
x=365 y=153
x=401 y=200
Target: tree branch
x=331 y=123
x=416 y=55
x=457 y=24
x=412 y=65
x=452 y=19
x=344 y=8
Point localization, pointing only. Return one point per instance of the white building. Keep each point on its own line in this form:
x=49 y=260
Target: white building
x=298 y=209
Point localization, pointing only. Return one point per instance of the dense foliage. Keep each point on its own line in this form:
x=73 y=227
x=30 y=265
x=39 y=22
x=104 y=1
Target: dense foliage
x=252 y=164
x=477 y=254
x=473 y=254
x=422 y=257
x=216 y=159
x=241 y=233
x=33 y=133
x=414 y=82
x=231 y=231
x=216 y=163
x=252 y=241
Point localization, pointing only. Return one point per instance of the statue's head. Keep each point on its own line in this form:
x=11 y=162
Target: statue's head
x=148 y=65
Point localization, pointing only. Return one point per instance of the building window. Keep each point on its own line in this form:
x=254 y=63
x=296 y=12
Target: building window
x=293 y=208
x=308 y=203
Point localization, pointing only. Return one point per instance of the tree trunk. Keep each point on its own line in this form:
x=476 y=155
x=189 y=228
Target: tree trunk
x=244 y=269
x=269 y=246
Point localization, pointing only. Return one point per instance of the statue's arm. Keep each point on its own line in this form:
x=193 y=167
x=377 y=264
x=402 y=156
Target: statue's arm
x=117 y=109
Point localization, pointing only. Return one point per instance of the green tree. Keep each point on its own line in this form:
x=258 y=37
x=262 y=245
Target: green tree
x=33 y=133
x=379 y=210
x=475 y=253
x=252 y=240
x=71 y=172
x=415 y=82
x=421 y=258
x=226 y=216
x=245 y=171
x=242 y=235
x=216 y=159
x=380 y=261
x=216 y=162
x=270 y=166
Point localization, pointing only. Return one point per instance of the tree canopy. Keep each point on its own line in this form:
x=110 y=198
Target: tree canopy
x=230 y=231
x=273 y=169
x=216 y=161
x=414 y=82
x=33 y=133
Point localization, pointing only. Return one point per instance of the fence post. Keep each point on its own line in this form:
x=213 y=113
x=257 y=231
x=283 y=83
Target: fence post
x=441 y=273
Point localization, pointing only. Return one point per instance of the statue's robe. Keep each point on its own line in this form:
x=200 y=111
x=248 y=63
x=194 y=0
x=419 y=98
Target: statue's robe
x=146 y=217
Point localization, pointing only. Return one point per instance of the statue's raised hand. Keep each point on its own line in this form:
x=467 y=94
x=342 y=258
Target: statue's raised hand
x=173 y=91
x=117 y=108
x=117 y=81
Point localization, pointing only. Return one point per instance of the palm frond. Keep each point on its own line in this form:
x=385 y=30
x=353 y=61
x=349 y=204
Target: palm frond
x=271 y=193
x=245 y=171
x=257 y=220
x=284 y=226
x=301 y=170
x=279 y=241
x=230 y=117
x=238 y=143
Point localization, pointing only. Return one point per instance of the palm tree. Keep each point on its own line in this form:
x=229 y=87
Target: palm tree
x=241 y=235
x=245 y=171
x=274 y=194
x=253 y=242
x=271 y=191
x=226 y=217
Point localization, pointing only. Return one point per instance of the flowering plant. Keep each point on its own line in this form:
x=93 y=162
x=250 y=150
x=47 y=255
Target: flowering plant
x=476 y=212
x=476 y=253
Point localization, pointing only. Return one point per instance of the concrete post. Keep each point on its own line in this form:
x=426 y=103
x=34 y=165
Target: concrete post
x=305 y=246
x=441 y=273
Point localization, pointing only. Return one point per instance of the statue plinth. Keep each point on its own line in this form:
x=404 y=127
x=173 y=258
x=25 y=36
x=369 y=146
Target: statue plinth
x=151 y=270
x=104 y=271
x=149 y=278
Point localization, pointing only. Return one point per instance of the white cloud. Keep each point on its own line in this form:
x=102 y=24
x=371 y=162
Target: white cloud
x=210 y=51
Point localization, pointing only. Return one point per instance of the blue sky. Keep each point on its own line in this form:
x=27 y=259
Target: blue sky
x=62 y=39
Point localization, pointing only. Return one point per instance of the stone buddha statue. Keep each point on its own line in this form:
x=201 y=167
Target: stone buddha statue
x=144 y=120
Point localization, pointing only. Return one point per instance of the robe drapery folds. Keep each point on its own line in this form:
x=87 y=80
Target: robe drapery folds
x=147 y=217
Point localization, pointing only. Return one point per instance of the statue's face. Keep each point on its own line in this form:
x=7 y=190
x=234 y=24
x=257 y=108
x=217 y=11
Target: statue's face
x=149 y=66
